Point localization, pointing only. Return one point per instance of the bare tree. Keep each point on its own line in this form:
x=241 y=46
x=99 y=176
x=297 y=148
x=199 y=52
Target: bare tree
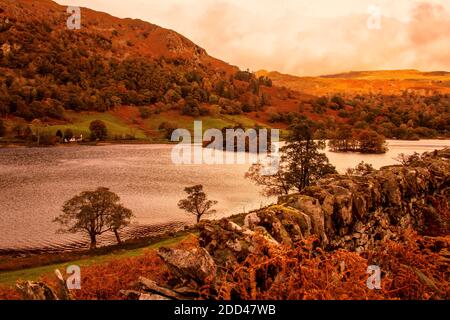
x=273 y=185
x=197 y=203
x=94 y=213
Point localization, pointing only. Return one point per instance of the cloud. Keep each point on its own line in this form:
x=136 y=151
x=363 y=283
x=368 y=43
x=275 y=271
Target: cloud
x=304 y=37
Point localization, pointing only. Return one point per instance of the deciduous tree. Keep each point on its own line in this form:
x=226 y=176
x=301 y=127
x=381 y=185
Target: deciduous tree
x=98 y=130
x=94 y=213
x=197 y=203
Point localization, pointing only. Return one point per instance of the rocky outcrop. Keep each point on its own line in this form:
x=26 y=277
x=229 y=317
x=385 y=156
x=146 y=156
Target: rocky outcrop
x=349 y=212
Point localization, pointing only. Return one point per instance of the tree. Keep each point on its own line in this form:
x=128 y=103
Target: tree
x=197 y=203
x=304 y=162
x=2 y=128
x=120 y=218
x=98 y=130
x=59 y=134
x=371 y=142
x=38 y=127
x=273 y=185
x=361 y=169
x=68 y=134
x=94 y=212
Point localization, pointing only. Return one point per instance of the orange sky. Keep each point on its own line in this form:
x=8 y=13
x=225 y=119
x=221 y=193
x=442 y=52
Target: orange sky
x=303 y=37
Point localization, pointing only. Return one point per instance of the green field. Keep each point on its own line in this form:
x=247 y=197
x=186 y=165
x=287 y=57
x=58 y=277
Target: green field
x=80 y=125
x=143 y=129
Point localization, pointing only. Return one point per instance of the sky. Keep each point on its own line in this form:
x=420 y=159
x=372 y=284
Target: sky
x=303 y=37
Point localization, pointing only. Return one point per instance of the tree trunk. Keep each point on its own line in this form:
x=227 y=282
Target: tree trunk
x=116 y=232
x=93 y=241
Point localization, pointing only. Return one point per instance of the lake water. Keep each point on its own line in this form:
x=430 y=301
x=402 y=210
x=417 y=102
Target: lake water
x=34 y=183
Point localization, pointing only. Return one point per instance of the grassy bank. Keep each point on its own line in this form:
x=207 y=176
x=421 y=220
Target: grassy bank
x=84 y=259
x=35 y=266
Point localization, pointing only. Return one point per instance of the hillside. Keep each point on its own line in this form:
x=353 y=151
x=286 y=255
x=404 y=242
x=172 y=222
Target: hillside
x=105 y=34
x=47 y=70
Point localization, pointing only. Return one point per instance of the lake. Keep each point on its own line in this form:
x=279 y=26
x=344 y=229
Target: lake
x=35 y=182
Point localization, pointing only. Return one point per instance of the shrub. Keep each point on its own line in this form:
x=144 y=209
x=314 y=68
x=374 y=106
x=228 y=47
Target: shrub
x=98 y=130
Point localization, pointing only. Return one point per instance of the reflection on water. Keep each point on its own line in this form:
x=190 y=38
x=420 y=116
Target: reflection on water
x=34 y=183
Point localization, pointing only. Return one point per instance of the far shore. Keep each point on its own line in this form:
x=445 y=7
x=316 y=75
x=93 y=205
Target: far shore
x=19 y=144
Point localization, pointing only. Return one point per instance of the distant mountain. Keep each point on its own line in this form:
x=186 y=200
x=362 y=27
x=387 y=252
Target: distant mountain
x=363 y=82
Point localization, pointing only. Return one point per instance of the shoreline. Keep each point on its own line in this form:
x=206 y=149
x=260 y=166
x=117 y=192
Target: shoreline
x=136 y=234
x=21 y=261
x=11 y=145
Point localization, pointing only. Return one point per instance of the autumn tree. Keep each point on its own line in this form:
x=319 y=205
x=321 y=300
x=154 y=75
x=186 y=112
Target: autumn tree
x=98 y=130
x=305 y=163
x=371 y=142
x=197 y=203
x=94 y=213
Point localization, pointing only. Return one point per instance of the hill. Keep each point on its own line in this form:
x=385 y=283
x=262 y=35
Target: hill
x=47 y=70
x=366 y=82
x=143 y=80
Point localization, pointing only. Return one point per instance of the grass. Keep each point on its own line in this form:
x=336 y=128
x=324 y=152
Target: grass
x=127 y=122
x=81 y=121
x=10 y=277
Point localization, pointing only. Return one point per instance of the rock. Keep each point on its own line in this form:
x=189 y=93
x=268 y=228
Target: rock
x=136 y=295
x=251 y=220
x=35 y=291
x=195 y=264
x=154 y=288
x=312 y=208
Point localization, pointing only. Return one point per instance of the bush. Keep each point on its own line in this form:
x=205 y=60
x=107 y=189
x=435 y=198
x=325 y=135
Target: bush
x=98 y=130
x=169 y=128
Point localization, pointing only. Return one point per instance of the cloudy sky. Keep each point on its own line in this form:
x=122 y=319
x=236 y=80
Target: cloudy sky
x=304 y=37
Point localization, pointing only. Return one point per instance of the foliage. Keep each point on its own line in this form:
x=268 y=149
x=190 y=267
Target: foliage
x=98 y=130
x=411 y=269
x=361 y=169
x=304 y=162
x=301 y=163
x=364 y=141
